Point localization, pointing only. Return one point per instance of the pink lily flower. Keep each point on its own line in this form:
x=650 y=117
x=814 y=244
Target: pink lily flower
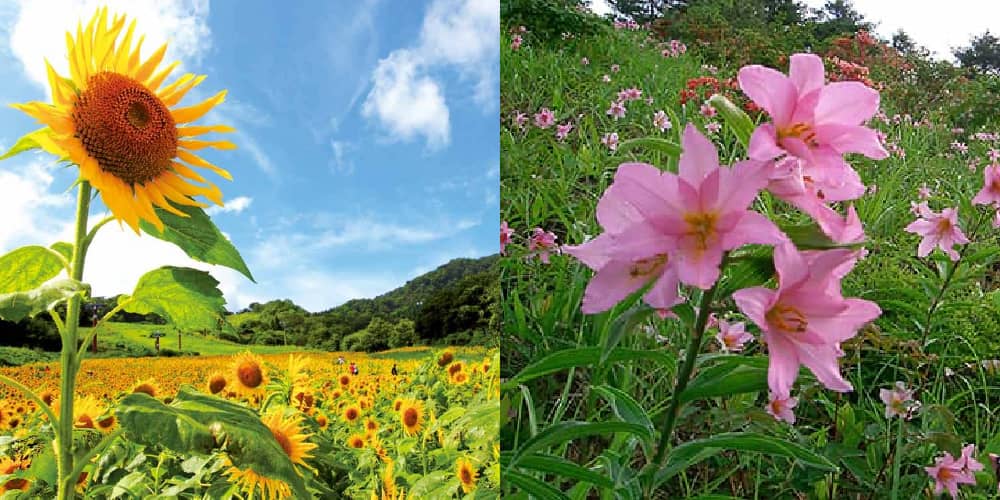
x=990 y=193
x=708 y=111
x=732 y=336
x=924 y=192
x=781 y=408
x=899 y=401
x=661 y=121
x=624 y=264
x=948 y=473
x=541 y=244
x=610 y=140
x=563 y=130
x=938 y=230
x=545 y=118
x=617 y=110
x=806 y=318
x=505 y=236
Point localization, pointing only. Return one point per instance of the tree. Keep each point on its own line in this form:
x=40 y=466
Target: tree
x=403 y=334
x=982 y=55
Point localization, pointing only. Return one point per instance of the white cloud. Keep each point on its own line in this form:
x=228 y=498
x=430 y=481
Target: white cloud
x=461 y=35
x=318 y=291
x=233 y=206
x=340 y=162
x=407 y=102
x=28 y=206
x=38 y=31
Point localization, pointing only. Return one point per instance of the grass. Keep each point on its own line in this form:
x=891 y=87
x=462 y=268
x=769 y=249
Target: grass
x=113 y=338
x=556 y=184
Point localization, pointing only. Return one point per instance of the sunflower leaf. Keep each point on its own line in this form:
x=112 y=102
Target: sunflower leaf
x=196 y=423
x=199 y=237
x=16 y=306
x=39 y=139
x=187 y=298
x=28 y=267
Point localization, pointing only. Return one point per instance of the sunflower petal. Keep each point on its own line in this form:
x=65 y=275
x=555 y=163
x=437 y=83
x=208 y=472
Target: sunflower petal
x=177 y=196
x=133 y=59
x=122 y=53
x=48 y=115
x=200 y=162
x=187 y=171
x=105 y=46
x=157 y=79
x=142 y=74
x=145 y=207
x=174 y=96
x=157 y=197
x=192 y=113
x=193 y=144
x=203 y=129
x=60 y=91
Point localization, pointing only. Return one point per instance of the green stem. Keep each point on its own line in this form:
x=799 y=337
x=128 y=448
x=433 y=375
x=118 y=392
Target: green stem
x=93 y=232
x=947 y=281
x=69 y=359
x=896 y=459
x=82 y=351
x=684 y=375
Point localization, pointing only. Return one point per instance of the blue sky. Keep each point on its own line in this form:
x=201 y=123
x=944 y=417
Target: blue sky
x=367 y=138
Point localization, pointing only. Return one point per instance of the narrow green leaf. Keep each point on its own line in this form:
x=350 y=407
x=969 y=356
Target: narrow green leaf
x=623 y=324
x=732 y=375
x=16 y=306
x=186 y=297
x=559 y=466
x=669 y=148
x=625 y=407
x=692 y=452
x=565 y=432
x=532 y=486
x=582 y=356
x=736 y=119
x=198 y=236
x=27 y=268
x=809 y=236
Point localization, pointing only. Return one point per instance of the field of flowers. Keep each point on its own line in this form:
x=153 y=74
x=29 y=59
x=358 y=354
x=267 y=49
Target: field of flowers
x=739 y=282
x=428 y=432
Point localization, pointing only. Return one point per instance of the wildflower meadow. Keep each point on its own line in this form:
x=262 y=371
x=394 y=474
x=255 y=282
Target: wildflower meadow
x=743 y=259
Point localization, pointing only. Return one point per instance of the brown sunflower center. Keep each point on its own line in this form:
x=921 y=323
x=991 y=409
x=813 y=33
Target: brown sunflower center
x=217 y=384
x=125 y=127
x=250 y=374
x=410 y=417
x=466 y=474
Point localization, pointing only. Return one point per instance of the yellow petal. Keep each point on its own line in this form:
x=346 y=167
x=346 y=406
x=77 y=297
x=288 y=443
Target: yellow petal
x=145 y=208
x=105 y=45
x=200 y=162
x=74 y=68
x=174 y=96
x=154 y=194
x=147 y=67
x=211 y=191
x=202 y=129
x=122 y=53
x=133 y=60
x=177 y=196
x=48 y=115
x=192 y=113
x=187 y=171
x=157 y=79
x=192 y=144
x=60 y=91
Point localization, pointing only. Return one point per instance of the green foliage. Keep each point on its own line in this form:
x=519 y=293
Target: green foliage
x=16 y=306
x=28 y=267
x=187 y=298
x=198 y=236
x=549 y=19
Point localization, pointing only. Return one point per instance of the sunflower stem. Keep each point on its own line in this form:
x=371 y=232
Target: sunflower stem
x=69 y=360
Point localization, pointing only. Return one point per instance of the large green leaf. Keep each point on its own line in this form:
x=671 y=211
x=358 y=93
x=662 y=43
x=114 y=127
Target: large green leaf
x=196 y=423
x=732 y=375
x=692 y=452
x=533 y=486
x=39 y=139
x=736 y=120
x=625 y=407
x=198 y=236
x=186 y=297
x=16 y=306
x=564 y=432
x=28 y=267
x=551 y=464
x=582 y=356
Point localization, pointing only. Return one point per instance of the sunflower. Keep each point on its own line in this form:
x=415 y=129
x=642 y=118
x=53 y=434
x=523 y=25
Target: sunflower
x=345 y=380
x=297 y=373
x=371 y=425
x=466 y=473
x=411 y=414
x=248 y=480
x=10 y=465
x=455 y=368
x=248 y=375
x=216 y=383
x=445 y=358
x=356 y=441
x=459 y=378
x=288 y=433
x=147 y=386
x=322 y=421
x=86 y=410
x=113 y=118
x=352 y=414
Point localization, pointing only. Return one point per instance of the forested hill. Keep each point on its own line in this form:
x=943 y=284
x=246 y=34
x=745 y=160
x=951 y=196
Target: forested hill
x=456 y=303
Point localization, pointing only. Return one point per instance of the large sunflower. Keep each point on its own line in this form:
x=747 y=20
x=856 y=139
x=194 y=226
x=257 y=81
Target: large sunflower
x=288 y=433
x=411 y=415
x=466 y=473
x=115 y=119
x=248 y=374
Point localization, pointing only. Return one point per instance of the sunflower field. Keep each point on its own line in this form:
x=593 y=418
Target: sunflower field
x=275 y=426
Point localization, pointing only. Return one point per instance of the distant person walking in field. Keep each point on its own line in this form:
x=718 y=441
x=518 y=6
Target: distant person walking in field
x=340 y=360
x=354 y=368
x=394 y=370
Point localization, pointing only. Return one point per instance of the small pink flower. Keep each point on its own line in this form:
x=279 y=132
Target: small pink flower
x=708 y=111
x=994 y=154
x=661 y=121
x=713 y=320
x=732 y=336
x=781 y=408
x=924 y=192
x=938 y=230
x=606 y=78
x=873 y=188
x=990 y=193
x=610 y=140
x=615 y=68
x=515 y=42
x=617 y=110
x=631 y=94
x=545 y=118
x=960 y=147
x=563 y=130
x=807 y=317
x=520 y=119
x=949 y=473
x=899 y=402
x=505 y=236
x=542 y=243
x=584 y=61
x=649 y=101
x=713 y=127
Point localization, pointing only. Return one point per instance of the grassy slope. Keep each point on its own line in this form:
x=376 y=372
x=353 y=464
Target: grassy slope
x=556 y=185
x=135 y=334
